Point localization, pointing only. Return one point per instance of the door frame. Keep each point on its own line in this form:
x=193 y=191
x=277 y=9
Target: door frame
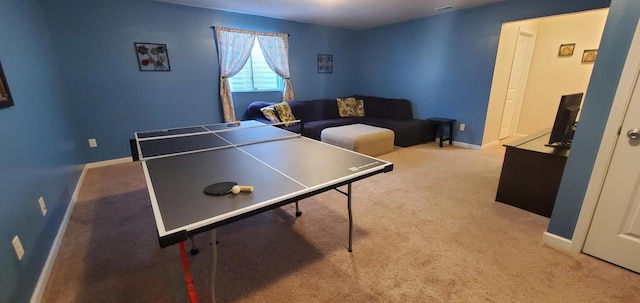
x=629 y=77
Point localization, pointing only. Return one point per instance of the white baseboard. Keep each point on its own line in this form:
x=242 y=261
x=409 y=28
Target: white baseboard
x=556 y=241
x=491 y=144
x=497 y=142
x=467 y=145
x=38 y=292
x=108 y=162
x=459 y=144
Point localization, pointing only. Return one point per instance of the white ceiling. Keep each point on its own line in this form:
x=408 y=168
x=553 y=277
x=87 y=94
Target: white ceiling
x=351 y=14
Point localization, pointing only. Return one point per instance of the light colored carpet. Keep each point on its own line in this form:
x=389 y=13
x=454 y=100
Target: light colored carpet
x=429 y=231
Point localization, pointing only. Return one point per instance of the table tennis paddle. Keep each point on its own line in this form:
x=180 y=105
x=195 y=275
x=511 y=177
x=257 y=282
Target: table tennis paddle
x=223 y=188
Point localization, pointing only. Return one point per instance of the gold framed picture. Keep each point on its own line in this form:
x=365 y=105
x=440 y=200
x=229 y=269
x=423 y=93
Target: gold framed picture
x=566 y=50
x=589 y=55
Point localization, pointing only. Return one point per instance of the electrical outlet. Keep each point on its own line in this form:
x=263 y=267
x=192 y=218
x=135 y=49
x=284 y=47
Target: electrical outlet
x=43 y=207
x=93 y=143
x=462 y=127
x=17 y=245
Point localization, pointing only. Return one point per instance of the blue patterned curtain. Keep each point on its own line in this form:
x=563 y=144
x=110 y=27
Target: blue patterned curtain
x=234 y=49
x=275 y=48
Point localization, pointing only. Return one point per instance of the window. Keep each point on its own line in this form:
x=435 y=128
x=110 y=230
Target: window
x=256 y=75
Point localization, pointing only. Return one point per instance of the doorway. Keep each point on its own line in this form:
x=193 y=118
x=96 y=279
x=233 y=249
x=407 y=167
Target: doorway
x=549 y=75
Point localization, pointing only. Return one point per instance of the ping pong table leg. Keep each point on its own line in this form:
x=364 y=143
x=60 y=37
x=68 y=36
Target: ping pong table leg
x=298 y=212
x=214 y=263
x=350 y=217
x=194 y=250
x=348 y=194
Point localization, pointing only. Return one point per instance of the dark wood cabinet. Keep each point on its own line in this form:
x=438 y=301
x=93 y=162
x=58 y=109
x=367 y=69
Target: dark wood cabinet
x=531 y=173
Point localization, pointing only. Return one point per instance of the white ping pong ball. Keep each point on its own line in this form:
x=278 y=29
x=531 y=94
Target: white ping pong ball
x=235 y=189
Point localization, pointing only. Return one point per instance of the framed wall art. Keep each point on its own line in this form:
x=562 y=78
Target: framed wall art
x=152 y=57
x=566 y=50
x=5 y=94
x=325 y=64
x=589 y=55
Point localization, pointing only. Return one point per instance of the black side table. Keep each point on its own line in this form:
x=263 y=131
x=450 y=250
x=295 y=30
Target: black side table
x=441 y=123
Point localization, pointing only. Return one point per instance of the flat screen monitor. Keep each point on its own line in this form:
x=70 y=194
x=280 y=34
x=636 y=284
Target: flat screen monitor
x=564 y=125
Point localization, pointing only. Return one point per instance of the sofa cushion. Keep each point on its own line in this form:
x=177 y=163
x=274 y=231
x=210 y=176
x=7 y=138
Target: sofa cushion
x=313 y=129
x=285 y=114
x=408 y=132
x=350 y=107
x=395 y=109
x=314 y=110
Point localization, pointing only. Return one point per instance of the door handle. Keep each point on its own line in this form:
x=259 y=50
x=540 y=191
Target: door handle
x=634 y=134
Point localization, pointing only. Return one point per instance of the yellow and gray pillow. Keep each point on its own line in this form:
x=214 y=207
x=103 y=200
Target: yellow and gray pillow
x=350 y=107
x=285 y=113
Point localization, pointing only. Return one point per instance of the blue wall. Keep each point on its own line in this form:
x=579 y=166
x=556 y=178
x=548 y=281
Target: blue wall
x=444 y=64
x=112 y=99
x=38 y=156
x=614 y=46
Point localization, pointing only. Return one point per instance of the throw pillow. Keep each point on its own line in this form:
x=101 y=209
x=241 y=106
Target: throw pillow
x=350 y=107
x=285 y=113
x=269 y=112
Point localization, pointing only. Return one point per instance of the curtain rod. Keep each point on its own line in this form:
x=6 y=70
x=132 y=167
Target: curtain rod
x=212 y=27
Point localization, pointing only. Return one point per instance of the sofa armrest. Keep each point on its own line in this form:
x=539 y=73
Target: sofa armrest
x=254 y=113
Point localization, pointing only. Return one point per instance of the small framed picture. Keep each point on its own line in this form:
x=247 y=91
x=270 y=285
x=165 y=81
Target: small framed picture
x=566 y=50
x=325 y=64
x=589 y=55
x=5 y=94
x=152 y=57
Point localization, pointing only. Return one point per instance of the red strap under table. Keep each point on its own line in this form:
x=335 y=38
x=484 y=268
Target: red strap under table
x=187 y=276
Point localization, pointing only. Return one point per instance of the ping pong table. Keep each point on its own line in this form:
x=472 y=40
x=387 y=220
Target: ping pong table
x=282 y=166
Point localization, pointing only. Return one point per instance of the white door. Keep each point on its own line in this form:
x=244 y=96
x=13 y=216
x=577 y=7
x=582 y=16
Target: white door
x=614 y=234
x=517 y=83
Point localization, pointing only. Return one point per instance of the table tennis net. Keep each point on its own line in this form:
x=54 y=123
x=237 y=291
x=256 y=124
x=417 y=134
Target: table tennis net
x=178 y=141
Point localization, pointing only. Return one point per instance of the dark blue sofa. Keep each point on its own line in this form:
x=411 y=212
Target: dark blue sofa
x=393 y=114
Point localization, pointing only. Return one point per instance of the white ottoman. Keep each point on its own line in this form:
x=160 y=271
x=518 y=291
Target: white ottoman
x=365 y=139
